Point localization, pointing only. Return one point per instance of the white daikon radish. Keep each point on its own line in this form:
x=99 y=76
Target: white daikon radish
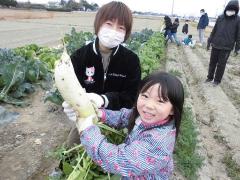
x=70 y=88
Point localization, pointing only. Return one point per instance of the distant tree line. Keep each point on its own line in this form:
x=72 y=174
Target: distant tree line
x=8 y=3
x=83 y=5
x=70 y=5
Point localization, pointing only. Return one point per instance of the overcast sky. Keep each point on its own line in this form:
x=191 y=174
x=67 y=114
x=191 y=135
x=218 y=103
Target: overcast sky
x=181 y=7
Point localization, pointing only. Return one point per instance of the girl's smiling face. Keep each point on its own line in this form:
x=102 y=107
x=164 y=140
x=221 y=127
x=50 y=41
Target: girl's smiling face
x=152 y=108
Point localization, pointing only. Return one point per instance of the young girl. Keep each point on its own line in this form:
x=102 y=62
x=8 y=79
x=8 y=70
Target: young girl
x=153 y=125
x=188 y=41
x=185 y=28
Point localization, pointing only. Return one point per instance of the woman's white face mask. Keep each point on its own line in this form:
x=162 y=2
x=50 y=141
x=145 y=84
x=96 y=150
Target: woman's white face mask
x=109 y=37
x=230 y=13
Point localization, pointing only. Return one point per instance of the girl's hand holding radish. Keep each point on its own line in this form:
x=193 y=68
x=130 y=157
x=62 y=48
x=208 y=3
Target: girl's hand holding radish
x=84 y=123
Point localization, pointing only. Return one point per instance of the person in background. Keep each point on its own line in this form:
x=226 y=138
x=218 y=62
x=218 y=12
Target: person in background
x=109 y=72
x=153 y=126
x=168 y=27
x=188 y=41
x=185 y=27
x=174 y=30
x=202 y=24
x=224 y=36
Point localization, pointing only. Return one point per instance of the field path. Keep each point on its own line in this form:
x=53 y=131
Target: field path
x=217 y=113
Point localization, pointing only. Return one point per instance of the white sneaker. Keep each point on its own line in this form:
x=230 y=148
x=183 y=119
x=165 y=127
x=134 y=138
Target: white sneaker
x=56 y=173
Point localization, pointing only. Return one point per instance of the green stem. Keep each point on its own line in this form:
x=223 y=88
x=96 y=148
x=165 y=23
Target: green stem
x=88 y=168
x=103 y=126
x=6 y=89
x=77 y=165
x=72 y=149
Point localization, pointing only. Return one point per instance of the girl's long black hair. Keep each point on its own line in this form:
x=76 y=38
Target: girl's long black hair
x=170 y=89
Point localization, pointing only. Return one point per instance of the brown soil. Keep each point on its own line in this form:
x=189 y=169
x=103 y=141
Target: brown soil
x=216 y=109
x=25 y=144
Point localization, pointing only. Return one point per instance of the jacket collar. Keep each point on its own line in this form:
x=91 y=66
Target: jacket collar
x=96 y=48
x=152 y=125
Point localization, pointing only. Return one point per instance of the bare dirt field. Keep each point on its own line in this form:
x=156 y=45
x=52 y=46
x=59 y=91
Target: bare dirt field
x=41 y=127
x=21 y=27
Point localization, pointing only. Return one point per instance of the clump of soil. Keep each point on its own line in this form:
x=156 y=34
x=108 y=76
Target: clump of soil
x=25 y=143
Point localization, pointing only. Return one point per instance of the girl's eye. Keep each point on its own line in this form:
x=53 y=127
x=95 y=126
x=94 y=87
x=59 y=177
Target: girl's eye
x=161 y=101
x=144 y=96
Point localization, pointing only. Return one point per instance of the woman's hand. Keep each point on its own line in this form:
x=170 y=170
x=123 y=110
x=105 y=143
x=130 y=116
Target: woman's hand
x=98 y=100
x=71 y=114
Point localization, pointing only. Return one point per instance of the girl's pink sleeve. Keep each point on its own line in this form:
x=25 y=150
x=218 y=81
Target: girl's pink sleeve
x=150 y=153
x=117 y=119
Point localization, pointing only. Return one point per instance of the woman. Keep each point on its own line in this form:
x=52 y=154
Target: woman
x=108 y=71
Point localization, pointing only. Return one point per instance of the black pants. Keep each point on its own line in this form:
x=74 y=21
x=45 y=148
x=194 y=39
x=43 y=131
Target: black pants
x=217 y=64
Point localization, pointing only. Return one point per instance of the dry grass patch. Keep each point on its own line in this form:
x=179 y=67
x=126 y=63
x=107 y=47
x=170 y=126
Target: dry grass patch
x=8 y=14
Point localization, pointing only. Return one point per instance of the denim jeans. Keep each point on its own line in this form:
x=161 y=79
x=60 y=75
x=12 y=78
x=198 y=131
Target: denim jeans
x=201 y=35
x=174 y=35
x=169 y=36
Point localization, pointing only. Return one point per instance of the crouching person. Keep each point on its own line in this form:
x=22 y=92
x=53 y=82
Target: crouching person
x=153 y=126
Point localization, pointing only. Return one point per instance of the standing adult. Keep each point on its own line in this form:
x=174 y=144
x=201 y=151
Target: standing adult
x=109 y=72
x=168 y=27
x=174 y=30
x=202 y=24
x=224 y=36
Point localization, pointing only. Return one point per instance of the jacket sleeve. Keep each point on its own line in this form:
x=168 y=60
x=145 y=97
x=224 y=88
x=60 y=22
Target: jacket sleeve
x=148 y=155
x=237 y=45
x=206 y=21
x=213 y=32
x=117 y=119
x=127 y=96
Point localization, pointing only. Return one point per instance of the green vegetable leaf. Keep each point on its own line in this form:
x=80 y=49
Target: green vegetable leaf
x=67 y=168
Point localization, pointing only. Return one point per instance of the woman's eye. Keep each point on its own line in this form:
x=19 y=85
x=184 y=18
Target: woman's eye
x=108 y=23
x=122 y=28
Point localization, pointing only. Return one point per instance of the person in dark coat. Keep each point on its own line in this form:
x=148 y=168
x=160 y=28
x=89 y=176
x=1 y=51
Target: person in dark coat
x=168 y=26
x=224 y=36
x=202 y=24
x=185 y=28
x=174 y=30
x=109 y=72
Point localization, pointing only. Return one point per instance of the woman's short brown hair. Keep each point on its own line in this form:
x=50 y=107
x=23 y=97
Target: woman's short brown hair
x=114 y=11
